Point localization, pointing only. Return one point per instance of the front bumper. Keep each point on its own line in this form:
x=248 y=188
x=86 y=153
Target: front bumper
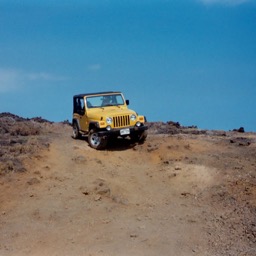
x=117 y=132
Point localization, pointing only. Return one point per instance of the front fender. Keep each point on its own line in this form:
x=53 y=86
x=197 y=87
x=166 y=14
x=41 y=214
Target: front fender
x=93 y=125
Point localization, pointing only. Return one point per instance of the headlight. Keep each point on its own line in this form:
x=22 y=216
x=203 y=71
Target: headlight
x=138 y=124
x=133 y=117
x=108 y=128
x=109 y=120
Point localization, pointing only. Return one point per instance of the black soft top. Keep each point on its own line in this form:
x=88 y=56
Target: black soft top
x=91 y=94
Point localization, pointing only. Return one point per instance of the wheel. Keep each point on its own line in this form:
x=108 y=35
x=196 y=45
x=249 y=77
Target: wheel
x=143 y=137
x=95 y=141
x=76 y=134
x=139 y=137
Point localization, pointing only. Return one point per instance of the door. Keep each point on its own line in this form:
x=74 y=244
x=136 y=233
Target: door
x=80 y=113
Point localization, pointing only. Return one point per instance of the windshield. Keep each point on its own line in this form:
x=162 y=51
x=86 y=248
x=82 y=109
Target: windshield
x=104 y=101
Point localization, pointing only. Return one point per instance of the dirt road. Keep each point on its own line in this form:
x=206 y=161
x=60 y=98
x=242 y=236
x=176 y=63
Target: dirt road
x=175 y=195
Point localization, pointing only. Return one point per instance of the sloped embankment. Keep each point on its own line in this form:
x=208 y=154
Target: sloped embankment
x=183 y=192
x=21 y=138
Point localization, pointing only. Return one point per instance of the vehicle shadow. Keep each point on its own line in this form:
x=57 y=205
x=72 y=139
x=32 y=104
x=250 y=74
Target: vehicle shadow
x=120 y=144
x=115 y=144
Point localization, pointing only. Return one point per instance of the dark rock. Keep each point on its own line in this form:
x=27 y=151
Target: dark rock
x=241 y=141
x=33 y=181
x=241 y=129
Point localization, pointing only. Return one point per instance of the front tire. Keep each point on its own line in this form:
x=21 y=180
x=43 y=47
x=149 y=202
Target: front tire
x=139 y=137
x=143 y=137
x=95 y=141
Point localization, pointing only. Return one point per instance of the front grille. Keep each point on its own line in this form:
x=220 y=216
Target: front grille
x=121 y=121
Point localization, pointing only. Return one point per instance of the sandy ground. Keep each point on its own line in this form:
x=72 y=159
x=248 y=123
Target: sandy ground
x=174 y=195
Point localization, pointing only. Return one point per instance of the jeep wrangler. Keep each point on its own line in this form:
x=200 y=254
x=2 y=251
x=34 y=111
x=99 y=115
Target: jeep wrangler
x=105 y=115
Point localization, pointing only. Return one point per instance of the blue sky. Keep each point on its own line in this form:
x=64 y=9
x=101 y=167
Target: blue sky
x=191 y=61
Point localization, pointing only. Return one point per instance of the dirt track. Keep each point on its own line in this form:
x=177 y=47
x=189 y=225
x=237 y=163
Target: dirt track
x=180 y=194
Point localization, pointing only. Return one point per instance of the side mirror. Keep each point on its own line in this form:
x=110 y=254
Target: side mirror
x=127 y=102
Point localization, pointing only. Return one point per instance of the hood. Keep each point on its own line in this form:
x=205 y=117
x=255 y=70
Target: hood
x=97 y=113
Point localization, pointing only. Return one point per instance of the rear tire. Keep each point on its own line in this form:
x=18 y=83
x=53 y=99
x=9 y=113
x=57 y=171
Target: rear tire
x=76 y=134
x=95 y=141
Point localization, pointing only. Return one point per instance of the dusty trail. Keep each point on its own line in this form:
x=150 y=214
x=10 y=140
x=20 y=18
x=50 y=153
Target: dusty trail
x=150 y=199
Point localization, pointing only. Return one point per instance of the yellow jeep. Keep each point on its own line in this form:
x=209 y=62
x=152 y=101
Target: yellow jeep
x=105 y=115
